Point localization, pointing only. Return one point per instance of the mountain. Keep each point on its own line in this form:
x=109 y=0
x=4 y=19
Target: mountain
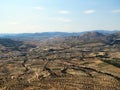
x=92 y=36
x=37 y=36
x=106 y=31
x=46 y=35
x=9 y=43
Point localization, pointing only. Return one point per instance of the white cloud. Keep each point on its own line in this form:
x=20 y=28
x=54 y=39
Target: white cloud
x=39 y=8
x=116 y=11
x=89 y=11
x=64 y=19
x=63 y=12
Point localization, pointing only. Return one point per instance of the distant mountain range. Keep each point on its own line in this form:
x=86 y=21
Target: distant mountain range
x=16 y=40
x=45 y=35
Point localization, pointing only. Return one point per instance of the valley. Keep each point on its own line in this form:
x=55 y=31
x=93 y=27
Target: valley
x=88 y=61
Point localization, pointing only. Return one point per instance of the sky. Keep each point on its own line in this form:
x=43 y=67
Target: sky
x=31 y=16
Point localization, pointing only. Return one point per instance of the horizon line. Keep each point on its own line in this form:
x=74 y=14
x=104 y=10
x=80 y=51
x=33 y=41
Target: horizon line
x=58 y=32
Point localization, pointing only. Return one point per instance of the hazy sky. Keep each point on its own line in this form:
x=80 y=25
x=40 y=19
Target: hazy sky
x=21 y=16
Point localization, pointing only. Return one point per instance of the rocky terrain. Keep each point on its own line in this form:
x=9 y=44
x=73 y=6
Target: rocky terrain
x=90 y=61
